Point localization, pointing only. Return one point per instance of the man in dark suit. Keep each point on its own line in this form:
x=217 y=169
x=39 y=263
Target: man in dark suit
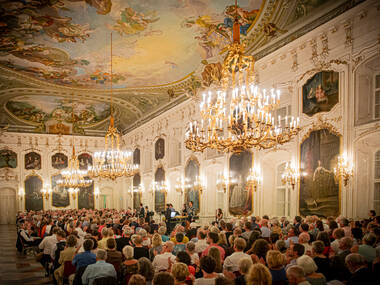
x=124 y=240
x=141 y=212
x=360 y=272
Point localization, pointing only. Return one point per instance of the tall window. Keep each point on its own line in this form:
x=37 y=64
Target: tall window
x=377 y=96
x=282 y=193
x=376 y=198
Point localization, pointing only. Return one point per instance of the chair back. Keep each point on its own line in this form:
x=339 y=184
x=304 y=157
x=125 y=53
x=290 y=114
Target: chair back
x=68 y=269
x=105 y=281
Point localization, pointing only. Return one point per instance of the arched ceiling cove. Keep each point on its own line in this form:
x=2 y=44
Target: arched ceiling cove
x=53 y=52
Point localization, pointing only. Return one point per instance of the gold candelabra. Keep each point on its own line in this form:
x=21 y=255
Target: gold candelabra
x=238 y=115
x=221 y=183
x=96 y=192
x=290 y=176
x=46 y=192
x=74 y=192
x=73 y=176
x=112 y=163
x=344 y=169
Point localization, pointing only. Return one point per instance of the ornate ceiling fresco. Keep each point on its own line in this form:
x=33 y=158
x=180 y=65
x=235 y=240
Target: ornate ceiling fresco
x=163 y=52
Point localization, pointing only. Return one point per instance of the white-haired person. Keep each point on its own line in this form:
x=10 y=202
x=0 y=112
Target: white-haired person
x=309 y=267
x=245 y=265
x=99 y=269
x=296 y=275
x=129 y=266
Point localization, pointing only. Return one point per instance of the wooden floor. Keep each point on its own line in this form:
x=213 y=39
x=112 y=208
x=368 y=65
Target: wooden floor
x=15 y=268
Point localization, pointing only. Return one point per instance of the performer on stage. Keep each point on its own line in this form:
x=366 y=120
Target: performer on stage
x=184 y=210
x=190 y=211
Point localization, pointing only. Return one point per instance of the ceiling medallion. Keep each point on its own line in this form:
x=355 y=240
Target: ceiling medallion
x=238 y=115
x=111 y=162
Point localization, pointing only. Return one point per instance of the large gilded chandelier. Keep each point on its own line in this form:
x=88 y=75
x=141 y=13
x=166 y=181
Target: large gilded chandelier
x=237 y=115
x=73 y=176
x=111 y=162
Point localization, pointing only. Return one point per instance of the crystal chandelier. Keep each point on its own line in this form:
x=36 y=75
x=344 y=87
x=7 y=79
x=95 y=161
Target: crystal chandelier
x=290 y=176
x=344 y=169
x=73 y=177
x=238 y=115
x=111 y=162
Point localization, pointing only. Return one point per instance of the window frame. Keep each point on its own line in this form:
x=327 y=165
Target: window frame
x=375 y=89
x=281 y=187
x=376 y=180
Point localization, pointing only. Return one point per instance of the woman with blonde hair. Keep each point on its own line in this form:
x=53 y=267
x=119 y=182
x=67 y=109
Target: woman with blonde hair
x=276 y=262
x=156 y=245
x=215 y=253
x=180 y=272
x=259 y=275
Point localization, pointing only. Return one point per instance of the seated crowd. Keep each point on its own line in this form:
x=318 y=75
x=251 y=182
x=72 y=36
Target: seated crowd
x=114 y=247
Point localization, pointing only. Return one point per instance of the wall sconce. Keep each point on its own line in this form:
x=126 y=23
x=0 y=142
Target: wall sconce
x=179 y=186
x=221 y=183
x=199 y=184
x=344 y=169
x=73 y=192
x=291 y=175
x=97 y=192
x=254 y=178
x=21 y=193
x=46 y=192
x=159 y=186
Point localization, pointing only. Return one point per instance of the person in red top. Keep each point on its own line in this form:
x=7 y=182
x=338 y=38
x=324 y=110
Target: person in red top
x=212 y=239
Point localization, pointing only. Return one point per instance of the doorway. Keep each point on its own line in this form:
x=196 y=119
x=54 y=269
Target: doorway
x=7 y=206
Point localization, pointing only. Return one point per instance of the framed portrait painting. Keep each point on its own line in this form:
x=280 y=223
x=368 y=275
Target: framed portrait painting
x=59 y=161
x=8 y=158
x=86 y=198
x=319 y=190
x=240 y=197
x=84 y=161
x=320 y=93
x=136 y=195
x=33 y=196
x=32 y=161
x=159 y=149
x=60 y=196
x=159 y=195
x=191 y=193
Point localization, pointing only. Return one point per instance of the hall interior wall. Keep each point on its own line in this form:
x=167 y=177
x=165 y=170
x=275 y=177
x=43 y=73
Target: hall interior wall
x=348 y=44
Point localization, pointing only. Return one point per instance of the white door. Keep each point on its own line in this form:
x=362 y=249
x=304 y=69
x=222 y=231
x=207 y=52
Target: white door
x=7 y=206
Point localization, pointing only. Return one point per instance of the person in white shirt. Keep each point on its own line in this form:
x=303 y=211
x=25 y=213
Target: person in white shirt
x=48 y=245
x=27 y=238
x=231 y=263
x=201 y=244
x=79 y=230
x=265 y=231
x=161 y=261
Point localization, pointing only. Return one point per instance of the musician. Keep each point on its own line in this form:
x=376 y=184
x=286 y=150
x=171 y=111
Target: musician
x=184 y=210
x=219 y=215
x=141 y=211
x=190 y=211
